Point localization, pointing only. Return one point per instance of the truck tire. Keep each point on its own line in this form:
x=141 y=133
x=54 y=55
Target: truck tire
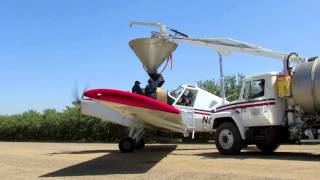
x=267 y=148
x=228 y=139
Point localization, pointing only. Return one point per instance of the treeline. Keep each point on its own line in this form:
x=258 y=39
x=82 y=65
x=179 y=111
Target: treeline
x=232 y=86
x=51 y=125
x=70 y=125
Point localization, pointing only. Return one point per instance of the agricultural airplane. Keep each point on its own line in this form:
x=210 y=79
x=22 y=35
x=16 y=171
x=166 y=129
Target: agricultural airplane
x=186 y=110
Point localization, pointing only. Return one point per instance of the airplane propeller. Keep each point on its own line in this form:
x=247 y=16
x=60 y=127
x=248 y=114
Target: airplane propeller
x=76 y=97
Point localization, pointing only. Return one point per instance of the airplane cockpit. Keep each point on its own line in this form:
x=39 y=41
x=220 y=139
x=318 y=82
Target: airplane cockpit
x=190 y=96
x=183 y=96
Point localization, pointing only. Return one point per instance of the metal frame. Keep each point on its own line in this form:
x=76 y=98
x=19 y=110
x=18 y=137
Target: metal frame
x=223 y=46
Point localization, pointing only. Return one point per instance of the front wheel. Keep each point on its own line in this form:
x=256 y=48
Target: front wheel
x=267 y=148
x=126 y=145
x=140 y=144
x=228 y=139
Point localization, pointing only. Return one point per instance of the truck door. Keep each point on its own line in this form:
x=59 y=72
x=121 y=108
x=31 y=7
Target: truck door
x=254 y=110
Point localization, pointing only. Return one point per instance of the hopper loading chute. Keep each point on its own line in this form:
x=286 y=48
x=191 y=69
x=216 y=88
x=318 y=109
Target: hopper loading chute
x=152 y=52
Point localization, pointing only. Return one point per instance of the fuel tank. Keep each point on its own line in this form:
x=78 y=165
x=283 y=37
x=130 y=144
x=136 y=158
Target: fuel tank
x=306 y=86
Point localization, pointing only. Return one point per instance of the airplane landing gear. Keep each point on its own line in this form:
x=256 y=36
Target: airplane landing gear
x=126 y=145
x=140 y=144
x=134 y=141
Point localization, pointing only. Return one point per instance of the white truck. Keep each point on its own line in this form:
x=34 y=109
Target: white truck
x=273 y=108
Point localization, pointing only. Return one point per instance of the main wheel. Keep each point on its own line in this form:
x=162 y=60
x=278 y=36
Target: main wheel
x=228 y=139
x=267 y=148
x=140 y=144
x=126 y=145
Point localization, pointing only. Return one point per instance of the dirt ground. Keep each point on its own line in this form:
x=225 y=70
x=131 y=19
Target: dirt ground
x=156 y=161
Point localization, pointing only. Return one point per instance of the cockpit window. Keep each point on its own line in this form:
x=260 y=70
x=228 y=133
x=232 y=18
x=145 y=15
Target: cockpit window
x=187 y=98
x=175 y=93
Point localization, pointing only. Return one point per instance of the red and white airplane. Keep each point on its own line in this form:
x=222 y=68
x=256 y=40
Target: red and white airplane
x=138 y=112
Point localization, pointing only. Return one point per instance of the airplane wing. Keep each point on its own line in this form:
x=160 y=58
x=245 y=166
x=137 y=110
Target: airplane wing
x=147 y=111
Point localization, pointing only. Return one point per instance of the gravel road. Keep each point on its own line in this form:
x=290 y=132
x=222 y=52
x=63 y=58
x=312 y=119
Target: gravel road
x=156 y=161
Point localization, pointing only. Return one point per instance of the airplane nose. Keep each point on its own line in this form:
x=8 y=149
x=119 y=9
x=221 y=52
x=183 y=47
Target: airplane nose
x=89 y=94
x=94 y=94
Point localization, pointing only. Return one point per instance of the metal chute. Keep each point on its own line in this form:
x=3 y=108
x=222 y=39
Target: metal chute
x=152 y=52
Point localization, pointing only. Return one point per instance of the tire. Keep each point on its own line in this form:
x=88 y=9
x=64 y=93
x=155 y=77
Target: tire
x=126 y=145
x=267 y=148
x=140 y=144
x=228 y=139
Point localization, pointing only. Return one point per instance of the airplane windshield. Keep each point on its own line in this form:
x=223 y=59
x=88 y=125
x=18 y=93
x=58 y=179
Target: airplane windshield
x=175 y=93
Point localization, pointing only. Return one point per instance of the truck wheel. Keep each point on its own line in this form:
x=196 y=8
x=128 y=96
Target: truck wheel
x=140 y=144
x=228 y=139
x=126 y=145
x=267 y=148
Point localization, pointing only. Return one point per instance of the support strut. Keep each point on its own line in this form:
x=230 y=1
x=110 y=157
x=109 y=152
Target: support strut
x=136 y=134
x=222 y=93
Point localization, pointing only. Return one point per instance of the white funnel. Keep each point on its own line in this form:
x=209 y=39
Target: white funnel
x=152 y=52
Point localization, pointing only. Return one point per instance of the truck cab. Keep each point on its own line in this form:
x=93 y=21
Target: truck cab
x=255 y=118
x=261 y=106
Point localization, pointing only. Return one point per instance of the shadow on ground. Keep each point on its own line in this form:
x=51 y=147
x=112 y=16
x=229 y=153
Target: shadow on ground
x=115 y=162
x=255 y=154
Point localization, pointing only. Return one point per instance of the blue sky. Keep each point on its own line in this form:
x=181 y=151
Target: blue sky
x=48 y=46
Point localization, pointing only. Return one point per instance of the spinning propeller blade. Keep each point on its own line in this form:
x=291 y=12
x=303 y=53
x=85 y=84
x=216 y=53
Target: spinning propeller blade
x=76 y=97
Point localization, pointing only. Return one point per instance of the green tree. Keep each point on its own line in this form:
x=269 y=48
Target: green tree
x=232 y=86
x=51 y=125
